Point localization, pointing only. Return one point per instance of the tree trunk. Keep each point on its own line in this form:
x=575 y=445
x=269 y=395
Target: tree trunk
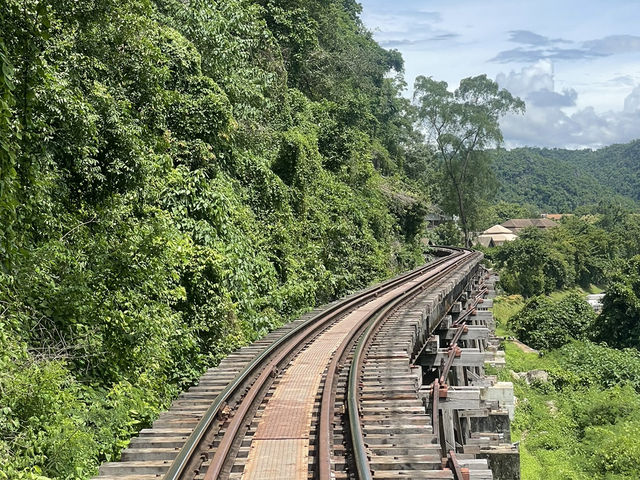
x=463 y=217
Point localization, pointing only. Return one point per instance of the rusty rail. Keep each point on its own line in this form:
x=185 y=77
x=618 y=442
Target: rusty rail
x=459 y=473
x=328 y=394
x=357 y=439
x=461 y=325
x=274 y=355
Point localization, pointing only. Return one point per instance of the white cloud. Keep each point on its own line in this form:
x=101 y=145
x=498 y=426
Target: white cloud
x=614 y=44
x=547 y=121
x=530 y=79
x=632 y=102
x=536 y=85
x=409 y=29
x=582 y=56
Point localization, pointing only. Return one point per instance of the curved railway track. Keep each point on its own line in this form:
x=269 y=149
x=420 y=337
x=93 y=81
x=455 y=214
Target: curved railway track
x=312 y=402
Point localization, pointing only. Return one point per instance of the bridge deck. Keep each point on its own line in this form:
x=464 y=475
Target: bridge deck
x=281 y=440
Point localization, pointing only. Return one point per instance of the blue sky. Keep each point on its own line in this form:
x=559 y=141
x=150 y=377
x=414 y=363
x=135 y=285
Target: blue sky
x=575 y=63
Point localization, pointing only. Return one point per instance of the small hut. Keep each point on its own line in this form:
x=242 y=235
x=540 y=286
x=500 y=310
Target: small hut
x=495 y=236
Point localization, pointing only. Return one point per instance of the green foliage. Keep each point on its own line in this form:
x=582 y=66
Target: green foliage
x=54 y=426
x=581 y=251
x=9 y=136
x=615 y=166
x=545 y=324
x=524 y=264
x=463 y=123
x=177 y=179
x=598 y=365
x=504 y=308
x=557 y=180
x=447 y=233
x=613 y=451
x=619 y=322
x=298 y=165
x=580 y=424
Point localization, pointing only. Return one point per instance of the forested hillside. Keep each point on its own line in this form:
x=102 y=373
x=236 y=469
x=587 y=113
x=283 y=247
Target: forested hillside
x=176 y=178
x=559 y=180
x=616 y=166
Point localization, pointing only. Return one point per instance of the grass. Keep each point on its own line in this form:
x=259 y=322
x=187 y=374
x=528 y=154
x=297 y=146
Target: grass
x=534 y=418
x=520 y=361
x=593 y=289
x=503 y=309
x=568 y=429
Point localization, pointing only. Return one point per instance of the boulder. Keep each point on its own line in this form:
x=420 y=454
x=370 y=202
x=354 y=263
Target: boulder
x=537 y=376
x=533 y=376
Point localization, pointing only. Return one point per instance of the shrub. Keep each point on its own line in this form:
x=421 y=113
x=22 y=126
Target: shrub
x=546 y=324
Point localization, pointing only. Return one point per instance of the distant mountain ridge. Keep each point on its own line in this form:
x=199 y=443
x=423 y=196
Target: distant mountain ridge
x=561 y=180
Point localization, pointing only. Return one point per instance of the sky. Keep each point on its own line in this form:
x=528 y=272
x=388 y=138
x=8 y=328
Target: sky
x=575 y=63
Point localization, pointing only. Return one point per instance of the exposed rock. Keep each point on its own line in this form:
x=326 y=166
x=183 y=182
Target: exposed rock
x=533 y=376
x=537 y=376
x=552 y=407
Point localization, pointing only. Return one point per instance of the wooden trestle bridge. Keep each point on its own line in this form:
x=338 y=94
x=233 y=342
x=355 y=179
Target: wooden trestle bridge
x=387 y=383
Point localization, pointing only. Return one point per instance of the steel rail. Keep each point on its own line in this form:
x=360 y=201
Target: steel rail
x=468 y=311
x=359 y=449
x=460 y=324
x=455 y=466
x=482 y=293
x=220 y=456
x=221 y=453
x=190 y=448
x=453 y=347
x=328 y=397
x=325 y=430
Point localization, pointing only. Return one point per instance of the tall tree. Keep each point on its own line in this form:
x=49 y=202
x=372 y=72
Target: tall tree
x=461 y=124
x=619 y=323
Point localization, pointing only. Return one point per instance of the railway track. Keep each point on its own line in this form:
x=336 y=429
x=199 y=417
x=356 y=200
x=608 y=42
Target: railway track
x=333 y=395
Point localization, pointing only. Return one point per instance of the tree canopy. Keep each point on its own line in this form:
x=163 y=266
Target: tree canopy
x=558 y=180
x=177 y=179
x=619 y=323
x=581 y=251
x=461 y=125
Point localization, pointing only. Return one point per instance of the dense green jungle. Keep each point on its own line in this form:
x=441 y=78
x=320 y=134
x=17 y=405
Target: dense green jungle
x=175 y=181
x=179 y=178
x=560 y=180
x=579 y=405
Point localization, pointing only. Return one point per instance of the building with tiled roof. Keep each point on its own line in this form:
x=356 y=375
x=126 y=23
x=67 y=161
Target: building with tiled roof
x=495 y=236
x=516 y=225
x=556 y=216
